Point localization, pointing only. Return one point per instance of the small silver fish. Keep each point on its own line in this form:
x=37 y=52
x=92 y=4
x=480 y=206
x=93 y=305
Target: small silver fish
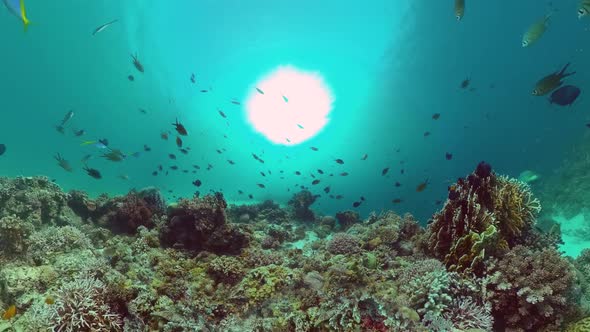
x=535 y=31
x=104 y=26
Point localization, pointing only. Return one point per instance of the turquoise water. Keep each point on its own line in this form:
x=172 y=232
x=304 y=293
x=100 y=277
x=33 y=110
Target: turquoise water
x=390 y=65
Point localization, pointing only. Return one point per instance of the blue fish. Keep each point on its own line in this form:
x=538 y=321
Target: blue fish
x=17 y=8
x=564 y=96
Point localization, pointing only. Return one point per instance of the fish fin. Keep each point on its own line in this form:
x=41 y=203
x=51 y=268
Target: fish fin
x=23 y=15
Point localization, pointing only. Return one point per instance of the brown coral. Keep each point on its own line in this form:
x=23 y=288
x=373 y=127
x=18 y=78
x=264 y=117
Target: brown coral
x=484 y=216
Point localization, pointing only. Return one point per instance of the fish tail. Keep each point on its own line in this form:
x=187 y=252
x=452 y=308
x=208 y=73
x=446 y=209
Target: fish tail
x=564 y=69
x=23 y=14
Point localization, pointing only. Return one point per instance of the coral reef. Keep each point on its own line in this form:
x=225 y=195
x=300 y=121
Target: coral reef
x=129 y=264
x=485 y=215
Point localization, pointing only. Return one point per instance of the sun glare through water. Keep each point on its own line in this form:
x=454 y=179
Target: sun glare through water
x=289 y=106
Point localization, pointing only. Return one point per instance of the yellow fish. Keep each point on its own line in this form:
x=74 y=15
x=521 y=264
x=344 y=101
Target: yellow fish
x=17 y=8
x=459 y=9
x=535 y=31
x=584 y=8
x=9 y=313
x=551 y=82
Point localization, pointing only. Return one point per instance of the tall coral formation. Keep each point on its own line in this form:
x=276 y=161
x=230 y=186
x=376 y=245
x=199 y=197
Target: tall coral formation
x=484 y=216
x=199 y=224
x=300 y=204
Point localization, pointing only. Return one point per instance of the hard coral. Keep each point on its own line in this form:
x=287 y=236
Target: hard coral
x=35 y=200
x=13 y=235
x=347 y=219
x=79 y=306
x=531 y=290
x=343 y=244
x=300 y=204
x=199 y=224
x=484 y=216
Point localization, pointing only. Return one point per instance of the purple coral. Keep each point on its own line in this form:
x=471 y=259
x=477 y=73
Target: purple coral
x=343 y=244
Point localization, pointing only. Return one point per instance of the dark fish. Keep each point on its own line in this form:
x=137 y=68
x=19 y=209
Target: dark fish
x=384 y=171
x=396 y=201
x=365 y=157
x=465 y=83
x=184 y=151
x=197 y=166
x=297 y=173
x=426 y=133
x=131 y=78
x=79 y=133
x=193 y=79
x=141 y=110
x=197 y=183
x=164 y=135
x=339 y=197
x=136 y=63
x=262 y=173
x=438 y=202
x=209 y=166
x=320 y=171
x=356 y=204
x=565 y=96
x=339 y=161
x=160 y=167
x=435 y=116
x=260 y=91
x=154 y=173
x=146 y=148
x=250 y=196
x=363 y=198
x=174 y=168
x=588 y=125
x=171 y=156
x=218 y=151
x=185 y=171
x=285 y=99
x=93 y=172
x=314 y=182
x=344 y=174
x=422 y=186
x=2 y=149
x=231 y=162
x=311 y=174
x=288 y=140
x=180 y=128
x=221 y=113
x=397 y=184
x=240 y=192
x=204 y=90
x=401 y=171
x=178 y=141
x=327 y=189
x=235 y=102
x=314 y=148
x=300 y=126
x=261 y=185
x=103 y=26
x=448 y=156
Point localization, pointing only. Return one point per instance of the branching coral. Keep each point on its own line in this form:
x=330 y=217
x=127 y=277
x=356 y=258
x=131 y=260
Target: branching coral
x=51 y=240
x=226 y=269
x=531 y=290
x=79 y=306
x=343 y=244
x=484 y=216
x=347 y=219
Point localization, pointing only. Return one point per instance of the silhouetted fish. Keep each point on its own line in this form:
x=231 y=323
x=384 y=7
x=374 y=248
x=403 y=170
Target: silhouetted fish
x=448 y=156
x=384 y=171
x=2 y=149
x=564 y=96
